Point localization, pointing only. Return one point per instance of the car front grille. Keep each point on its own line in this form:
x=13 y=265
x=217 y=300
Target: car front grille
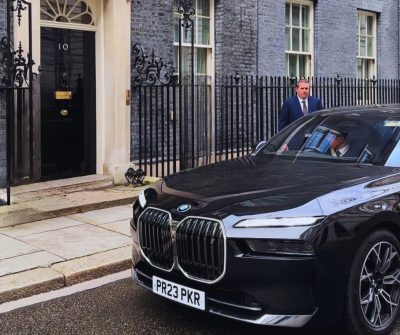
x=200 y=244
x=154 y=229
x=201 y=248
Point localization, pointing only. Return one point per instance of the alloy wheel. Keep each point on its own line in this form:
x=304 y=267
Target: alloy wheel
x=379 y=285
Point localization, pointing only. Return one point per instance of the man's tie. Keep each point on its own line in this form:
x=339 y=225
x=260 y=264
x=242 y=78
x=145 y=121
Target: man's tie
x=305 y=110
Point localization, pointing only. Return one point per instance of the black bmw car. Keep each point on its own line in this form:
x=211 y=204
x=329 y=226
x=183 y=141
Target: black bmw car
x=305 y=230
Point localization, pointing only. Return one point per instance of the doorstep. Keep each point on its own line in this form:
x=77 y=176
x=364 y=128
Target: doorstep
x=51 y=199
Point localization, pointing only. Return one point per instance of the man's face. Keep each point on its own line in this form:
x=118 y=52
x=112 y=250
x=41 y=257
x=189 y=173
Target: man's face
x=303 y=90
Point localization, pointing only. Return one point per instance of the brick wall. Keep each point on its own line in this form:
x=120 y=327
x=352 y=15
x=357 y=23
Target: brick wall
x=388 y=35
x=250 y=37
x=335 y=44
x=235 y=37
x=235 y=40
x=153 y=27
x=271 y=37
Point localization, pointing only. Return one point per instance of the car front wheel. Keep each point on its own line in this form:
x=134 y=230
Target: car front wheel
x=374 y=285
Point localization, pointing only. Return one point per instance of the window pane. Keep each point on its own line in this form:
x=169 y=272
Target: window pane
x=187 y=60
x=287 y=33
x=306 y=40
x=295 y=39
x=287 y=65
x=203 y=31
x=295 y=15
x=176 y=59
x=303 y=66
x=176 y=5
x=292 y=65
x=287 y=14
x=362 y=24
x=187 y=38
x=367 y=68
x=306 y=16
x=370 y=47
x=363 y=47
x=359 y=68
x=203 y=7
x=370 y=25
x=176 y=31
x=202 y=61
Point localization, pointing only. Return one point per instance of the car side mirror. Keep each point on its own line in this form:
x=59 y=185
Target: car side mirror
x=256 y=146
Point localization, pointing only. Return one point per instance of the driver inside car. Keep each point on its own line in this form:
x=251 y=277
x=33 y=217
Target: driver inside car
x=339 y=146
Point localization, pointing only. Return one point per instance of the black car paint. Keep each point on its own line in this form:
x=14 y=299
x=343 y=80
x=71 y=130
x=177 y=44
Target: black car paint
x=249 y=186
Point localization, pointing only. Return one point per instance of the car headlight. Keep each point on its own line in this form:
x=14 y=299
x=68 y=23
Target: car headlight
x=279 y=247
x=279 y=222
x=142 y=199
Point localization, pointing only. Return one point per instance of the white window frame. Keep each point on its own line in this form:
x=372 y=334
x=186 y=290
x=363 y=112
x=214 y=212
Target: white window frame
x=210 y=47
x=375 y=44
x=310 y=4
x=69 y=25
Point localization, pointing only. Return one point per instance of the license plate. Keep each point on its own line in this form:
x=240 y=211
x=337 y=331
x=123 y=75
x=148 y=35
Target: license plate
x=183 y=294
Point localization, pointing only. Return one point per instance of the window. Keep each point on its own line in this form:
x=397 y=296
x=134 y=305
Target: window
x=66 y=11
x=202 y=38
x=366 y=41
x=299 y=35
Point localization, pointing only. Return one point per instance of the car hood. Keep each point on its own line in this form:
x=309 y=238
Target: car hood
x=261 y=184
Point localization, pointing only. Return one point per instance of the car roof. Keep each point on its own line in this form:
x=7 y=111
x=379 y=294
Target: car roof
x=388 y=110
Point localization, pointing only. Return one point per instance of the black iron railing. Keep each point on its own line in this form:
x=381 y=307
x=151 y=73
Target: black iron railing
x=176 y=130
x=16 y=80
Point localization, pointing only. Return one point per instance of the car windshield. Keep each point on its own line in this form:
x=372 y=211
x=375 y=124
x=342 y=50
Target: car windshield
x=350 y=138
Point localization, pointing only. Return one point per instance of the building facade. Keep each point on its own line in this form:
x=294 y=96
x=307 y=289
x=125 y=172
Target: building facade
x=85 y=120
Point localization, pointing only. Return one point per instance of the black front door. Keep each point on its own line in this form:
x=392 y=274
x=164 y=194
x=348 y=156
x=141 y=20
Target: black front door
x=67 y=103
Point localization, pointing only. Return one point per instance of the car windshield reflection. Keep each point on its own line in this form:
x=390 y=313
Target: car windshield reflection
x=350 y=138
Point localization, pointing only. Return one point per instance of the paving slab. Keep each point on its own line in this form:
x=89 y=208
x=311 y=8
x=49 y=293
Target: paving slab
x=27 y=262
x=106 y=215
x=63 y=236
x=28 y=283
x=39 y=227
x=77 y=241
x=10 y=247
x=94 y=266
x=122 y=227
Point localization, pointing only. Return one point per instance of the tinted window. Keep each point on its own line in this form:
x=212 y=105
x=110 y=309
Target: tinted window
x=351 y=138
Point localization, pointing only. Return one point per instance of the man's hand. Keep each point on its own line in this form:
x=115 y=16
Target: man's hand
x=284 y=147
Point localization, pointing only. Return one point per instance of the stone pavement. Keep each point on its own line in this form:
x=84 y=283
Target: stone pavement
x=76 y=238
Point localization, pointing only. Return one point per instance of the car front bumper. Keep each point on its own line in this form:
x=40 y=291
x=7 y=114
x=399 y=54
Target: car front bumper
x=275 y=291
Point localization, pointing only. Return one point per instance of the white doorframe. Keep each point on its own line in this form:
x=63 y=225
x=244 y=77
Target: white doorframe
x=113 y=74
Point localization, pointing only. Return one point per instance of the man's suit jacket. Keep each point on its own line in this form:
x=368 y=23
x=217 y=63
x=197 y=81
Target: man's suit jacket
x=292 y=110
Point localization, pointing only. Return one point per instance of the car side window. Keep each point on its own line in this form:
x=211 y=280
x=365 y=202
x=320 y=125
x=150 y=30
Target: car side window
x=394 y=157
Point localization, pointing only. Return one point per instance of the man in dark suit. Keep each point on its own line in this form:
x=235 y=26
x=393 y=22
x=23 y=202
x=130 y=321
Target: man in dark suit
x=301 y=104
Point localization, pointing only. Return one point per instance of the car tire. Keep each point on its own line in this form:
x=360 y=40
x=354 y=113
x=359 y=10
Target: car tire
x=373 y=291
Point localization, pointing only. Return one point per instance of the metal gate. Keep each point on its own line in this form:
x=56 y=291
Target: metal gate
x=17 y=78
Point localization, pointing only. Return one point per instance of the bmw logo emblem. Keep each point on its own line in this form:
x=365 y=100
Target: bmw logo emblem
x=184 y=208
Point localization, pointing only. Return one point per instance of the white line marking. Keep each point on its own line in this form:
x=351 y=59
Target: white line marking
x=24 y=302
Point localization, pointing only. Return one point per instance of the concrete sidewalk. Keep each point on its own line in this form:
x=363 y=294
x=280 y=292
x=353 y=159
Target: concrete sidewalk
x=60 y=233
